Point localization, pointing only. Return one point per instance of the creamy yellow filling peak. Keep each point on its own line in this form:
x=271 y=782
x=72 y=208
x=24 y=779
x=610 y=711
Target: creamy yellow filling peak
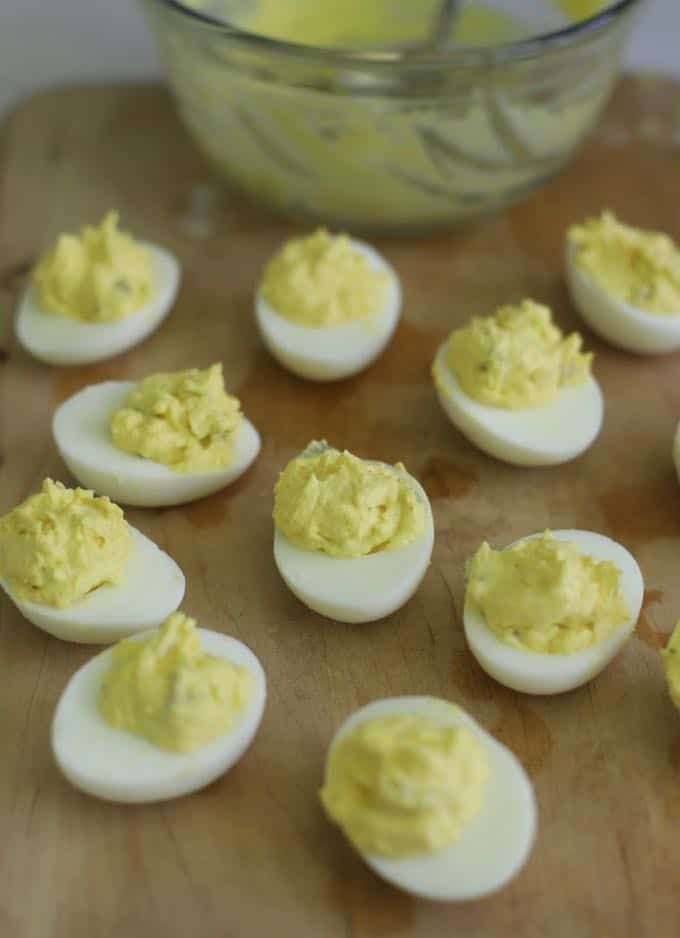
x=322 y=280
x=331 y=501
x=671 y=662
x=544 y=595
x=100 y=275
x=60 y=544
x=167 y=690
x=404 y=784
x=516 y=358
x=637 y=266
x=183 y=419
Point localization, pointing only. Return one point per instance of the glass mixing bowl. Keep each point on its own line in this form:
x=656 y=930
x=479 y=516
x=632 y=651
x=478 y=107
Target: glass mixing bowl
x=389 y=139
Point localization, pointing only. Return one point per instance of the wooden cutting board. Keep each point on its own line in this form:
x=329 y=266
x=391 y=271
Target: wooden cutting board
x=253 y=855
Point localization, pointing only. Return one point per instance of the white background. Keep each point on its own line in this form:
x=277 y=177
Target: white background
x=44 y=42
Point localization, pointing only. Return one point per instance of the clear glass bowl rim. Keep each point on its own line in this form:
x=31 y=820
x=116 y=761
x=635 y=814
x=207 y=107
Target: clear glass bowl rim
x=412 y=58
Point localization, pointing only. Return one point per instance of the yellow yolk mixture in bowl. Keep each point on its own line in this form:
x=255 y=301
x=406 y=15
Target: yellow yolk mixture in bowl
x=349 y=113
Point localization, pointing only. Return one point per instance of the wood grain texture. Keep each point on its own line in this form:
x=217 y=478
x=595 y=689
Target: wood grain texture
x=253 y=855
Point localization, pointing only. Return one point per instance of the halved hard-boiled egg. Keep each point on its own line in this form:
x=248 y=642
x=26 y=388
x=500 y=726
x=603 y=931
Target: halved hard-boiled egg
x=76 y=569
x=517 y=396
x=152 y=587
x=327 y=306
x=95 y=296
x=201 y=728
x=561 y=604
x=432 y=802
x=353 y=538
x=625 y=282
x=171 y=429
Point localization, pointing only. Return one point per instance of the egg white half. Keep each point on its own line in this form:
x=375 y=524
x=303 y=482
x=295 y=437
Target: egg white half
x=117 y=765
x=152 y=588
x=80 y=427
x=496 y=843
x=357 y=589
x=542 y=673
x=620 y=323
x=329 y=353
x=536 y=436
x=59 y=340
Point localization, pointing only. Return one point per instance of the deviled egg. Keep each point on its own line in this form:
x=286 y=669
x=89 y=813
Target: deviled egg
x=166 y=440
x=625 y=282
x=76 y=569
x=519 y=390
x=551 y=611
x=327 y=306
x=670 y=655
x=431 y=801
x=353 y=537
x=159 y=715
x=95 y=295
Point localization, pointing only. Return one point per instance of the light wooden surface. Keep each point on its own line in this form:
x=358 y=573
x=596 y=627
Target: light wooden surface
x=253 y=854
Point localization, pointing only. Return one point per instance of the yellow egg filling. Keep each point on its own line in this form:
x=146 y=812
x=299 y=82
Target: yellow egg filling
x=100 y=275
x=381 y=22
x=544 y=595
x=322 y=280
x=182 y=419
x=331 y=501
x=515 y=359
x=637 y=266
x=404 y=784
x=165 y=689
x=60 y=544
x=581 y=9
x=671 y=662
